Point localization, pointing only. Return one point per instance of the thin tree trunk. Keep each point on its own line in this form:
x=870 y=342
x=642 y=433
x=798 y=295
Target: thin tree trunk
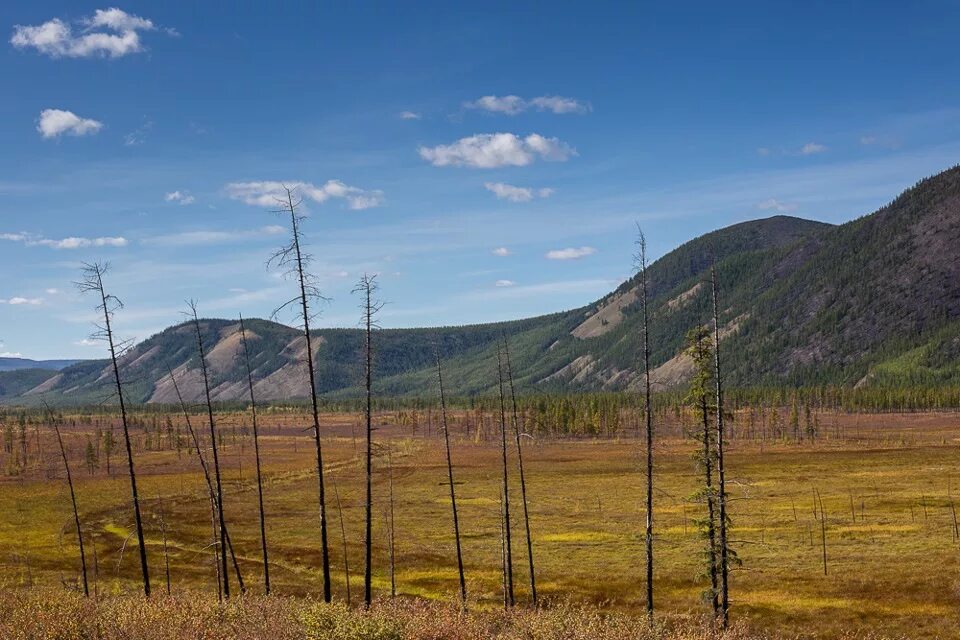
x=523 y=482
x=302 y=277
x=505 y=486
x=648 y=416
x=256 y=451
x=93 y=281
x=367 y=286
x=76 y=513
x=216 y=458
x=721 y=477
x=453 y=494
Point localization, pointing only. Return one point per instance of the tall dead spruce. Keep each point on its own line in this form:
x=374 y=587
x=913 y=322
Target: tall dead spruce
x=92 y=282
x=367 y=287
x=517 y=432
x=641 y=265
x=724 y=549
x=256 y=453
x=295 y=263
x=221 y=519
x=453 y=493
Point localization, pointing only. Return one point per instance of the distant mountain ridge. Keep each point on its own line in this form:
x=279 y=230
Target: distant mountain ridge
x=14 y=364
x=875 y=301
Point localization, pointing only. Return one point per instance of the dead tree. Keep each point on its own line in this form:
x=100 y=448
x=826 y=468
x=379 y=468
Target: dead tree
x=523 y=481
x=296 y=264
x=722 y=541
x=76 y=513
x=505 y=488
x=453 y=493
x=367 y=287
x=256 y=452
x=213 y=448
x=641 y=264
x=212 y=494
x=92 y=282
x=393 y=538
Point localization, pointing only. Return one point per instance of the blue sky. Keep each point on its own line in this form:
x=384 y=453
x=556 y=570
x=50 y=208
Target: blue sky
x=488 y=162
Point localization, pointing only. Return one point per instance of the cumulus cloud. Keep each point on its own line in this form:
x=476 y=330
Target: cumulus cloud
x=512 y=105
x=811 y=148
x=516 y=194
x=109 y=33
x=73 y=242
x=501 y=251
x=180 y=197
x=491 y=150
x=267 y=193
x=409 y=115
x=775 y=205
x=504 y=283
x=570 y=253
x=53 y=123
x=20 y=300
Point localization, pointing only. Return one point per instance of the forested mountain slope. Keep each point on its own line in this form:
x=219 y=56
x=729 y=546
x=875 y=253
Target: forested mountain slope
x=873 y=301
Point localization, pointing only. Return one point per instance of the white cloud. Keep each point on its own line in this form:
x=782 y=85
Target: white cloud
x=180 y=197
x=73 y=242
x=512 y=105
x=52 y=292
x=56 y=122
x=10 y=354
x=570 y=253
x=110 y=33
x=490 y=150
x=138 y=135
x=811 y=148
x=409 y=115
x=516 y=194
x=86 y=342
x=271 y=193
x=776 y=205
x=501 y=251
x=20 y=300
x=504 y=283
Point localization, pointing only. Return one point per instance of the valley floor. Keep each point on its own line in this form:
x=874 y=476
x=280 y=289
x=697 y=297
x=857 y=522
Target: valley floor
x=888 y=485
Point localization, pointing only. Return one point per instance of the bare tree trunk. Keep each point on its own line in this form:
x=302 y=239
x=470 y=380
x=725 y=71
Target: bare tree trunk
x=76 y=513
x=523 y=481
x=453 y=494
x=93 y=282
x=641 y=259
x=293 y=258
x=256 y=451
x=216 y=458
x=508 y=552
x=367 y=287
x=721 y=477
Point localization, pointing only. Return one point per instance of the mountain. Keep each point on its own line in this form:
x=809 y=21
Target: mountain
x=15 y=364
x=873 y=301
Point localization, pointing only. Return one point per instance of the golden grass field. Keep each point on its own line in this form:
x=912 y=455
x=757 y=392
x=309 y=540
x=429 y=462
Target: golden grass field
x=887 y=484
